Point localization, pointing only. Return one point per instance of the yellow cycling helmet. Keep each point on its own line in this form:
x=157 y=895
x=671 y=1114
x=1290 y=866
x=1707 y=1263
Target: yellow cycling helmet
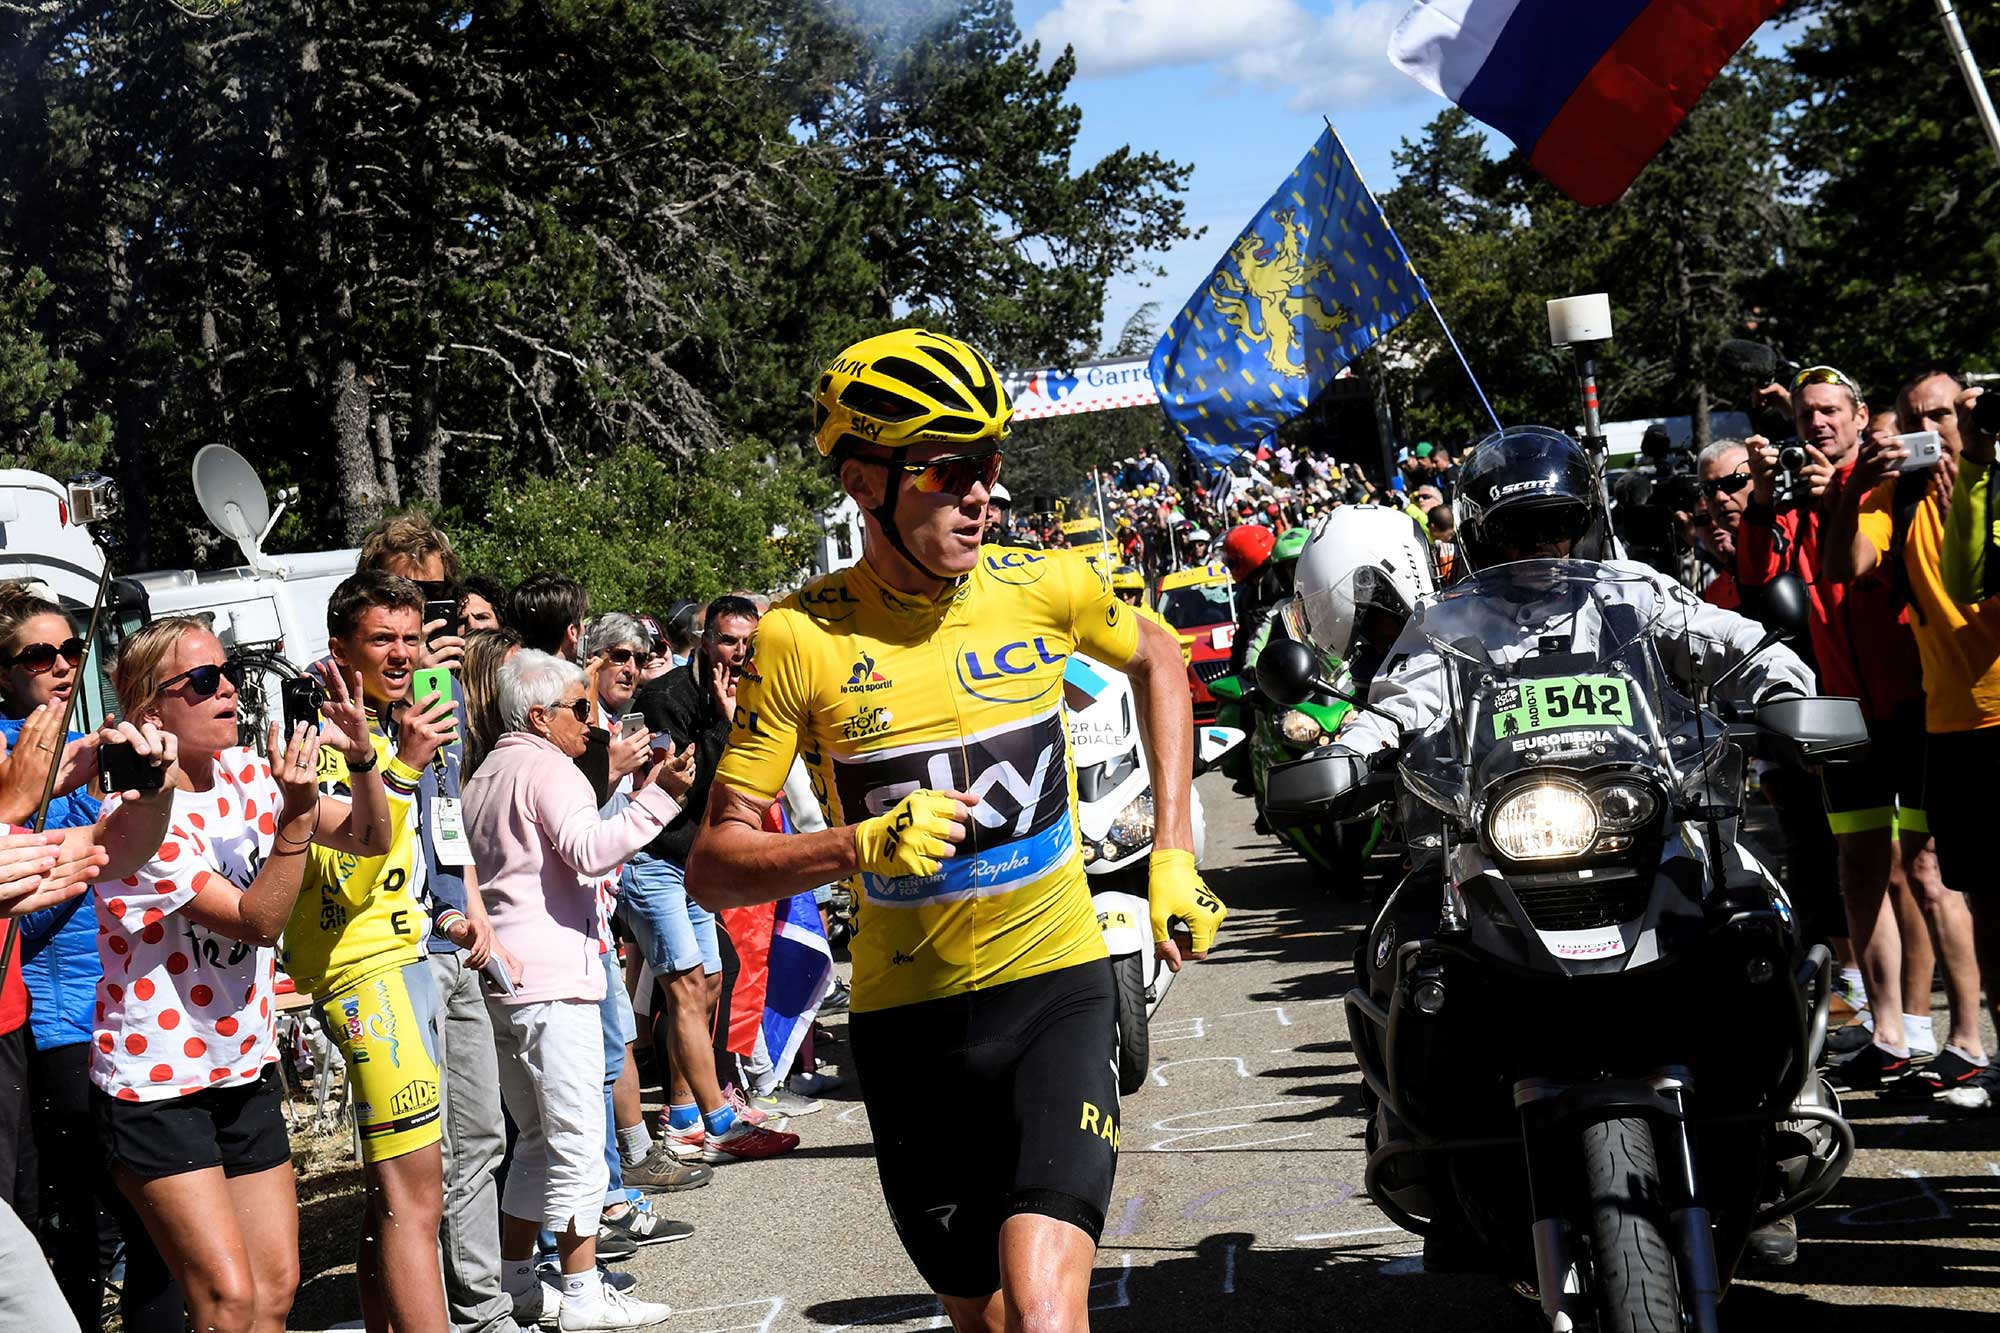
x=1127 y=579
x=906 y=387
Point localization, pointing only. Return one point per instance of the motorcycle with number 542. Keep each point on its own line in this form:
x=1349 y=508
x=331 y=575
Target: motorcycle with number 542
x=1586 y=1019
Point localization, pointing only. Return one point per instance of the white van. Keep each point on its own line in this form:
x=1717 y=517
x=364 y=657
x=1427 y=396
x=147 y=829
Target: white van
x=271 y=611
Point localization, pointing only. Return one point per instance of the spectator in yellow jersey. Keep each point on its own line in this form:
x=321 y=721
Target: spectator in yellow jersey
x=356 y=941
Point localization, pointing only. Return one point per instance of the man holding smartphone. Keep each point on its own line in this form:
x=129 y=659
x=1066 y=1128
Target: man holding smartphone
x=459 y=948
x=1891 y=525
x=356 y=943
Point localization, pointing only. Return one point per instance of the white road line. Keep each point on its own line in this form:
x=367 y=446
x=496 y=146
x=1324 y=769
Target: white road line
x=1343 y=1235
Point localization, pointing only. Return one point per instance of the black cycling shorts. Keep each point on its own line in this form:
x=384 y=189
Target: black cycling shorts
x=1885 y=787
x=1027 y=1075
x=239 y=1128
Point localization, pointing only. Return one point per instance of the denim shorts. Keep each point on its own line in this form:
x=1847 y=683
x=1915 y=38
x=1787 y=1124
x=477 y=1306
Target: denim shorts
x=676 y=933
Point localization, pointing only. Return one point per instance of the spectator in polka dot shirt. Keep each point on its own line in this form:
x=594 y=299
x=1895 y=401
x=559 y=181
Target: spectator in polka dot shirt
x=185 y=1091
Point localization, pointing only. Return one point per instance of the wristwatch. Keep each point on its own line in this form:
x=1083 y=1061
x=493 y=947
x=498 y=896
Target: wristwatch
x=374 y=758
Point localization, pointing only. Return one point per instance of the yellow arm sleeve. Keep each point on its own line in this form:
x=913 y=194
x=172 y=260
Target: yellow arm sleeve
x=772 y=711
x=1100 y=624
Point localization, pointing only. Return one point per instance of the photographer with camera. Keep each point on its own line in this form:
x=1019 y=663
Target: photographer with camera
x=1927 y=526
x=1803 y=493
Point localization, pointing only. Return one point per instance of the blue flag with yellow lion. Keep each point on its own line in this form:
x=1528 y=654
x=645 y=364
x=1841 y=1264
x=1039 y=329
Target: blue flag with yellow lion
x=1306 y=288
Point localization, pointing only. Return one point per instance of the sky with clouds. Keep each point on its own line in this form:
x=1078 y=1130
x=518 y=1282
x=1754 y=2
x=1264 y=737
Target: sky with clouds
x=1237 y=89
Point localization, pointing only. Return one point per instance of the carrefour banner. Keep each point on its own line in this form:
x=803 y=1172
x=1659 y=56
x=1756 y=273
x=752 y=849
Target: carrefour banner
x=1094 y=386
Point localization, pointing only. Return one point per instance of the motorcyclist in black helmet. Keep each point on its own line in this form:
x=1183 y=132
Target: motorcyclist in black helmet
x=1526 y=493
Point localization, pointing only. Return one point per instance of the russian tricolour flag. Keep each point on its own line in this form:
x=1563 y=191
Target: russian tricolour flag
x=1588 y=89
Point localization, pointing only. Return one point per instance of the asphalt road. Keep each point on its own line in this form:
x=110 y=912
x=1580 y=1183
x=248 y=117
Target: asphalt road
x=1238 y=1203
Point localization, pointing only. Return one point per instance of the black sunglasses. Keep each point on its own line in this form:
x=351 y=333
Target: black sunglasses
x=577 y=708
x=206 y=680
x=1728 y=485
x=42 y=656
x=619 y=656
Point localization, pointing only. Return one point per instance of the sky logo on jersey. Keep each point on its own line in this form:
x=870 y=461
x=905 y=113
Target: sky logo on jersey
x=1020 y=830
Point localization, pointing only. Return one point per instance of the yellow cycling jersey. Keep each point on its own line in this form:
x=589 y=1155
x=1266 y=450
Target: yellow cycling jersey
x=883 y=694
x=357 y=916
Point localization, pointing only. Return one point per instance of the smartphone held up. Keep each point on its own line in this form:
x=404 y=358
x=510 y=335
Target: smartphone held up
x=125 y=769
x=1922 y=449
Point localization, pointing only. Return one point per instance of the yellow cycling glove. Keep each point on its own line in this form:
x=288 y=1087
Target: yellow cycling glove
x=910 y=839
x=1177 y=894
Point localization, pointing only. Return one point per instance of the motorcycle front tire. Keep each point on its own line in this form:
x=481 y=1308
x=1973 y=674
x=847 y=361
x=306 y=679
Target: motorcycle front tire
x=1634 y=1282
x=1134 y=1035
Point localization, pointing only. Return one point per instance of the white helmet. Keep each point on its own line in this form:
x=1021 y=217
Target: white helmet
x=1361 y=557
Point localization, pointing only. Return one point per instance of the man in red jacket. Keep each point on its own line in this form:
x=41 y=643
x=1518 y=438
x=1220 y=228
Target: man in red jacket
x=1864 y=650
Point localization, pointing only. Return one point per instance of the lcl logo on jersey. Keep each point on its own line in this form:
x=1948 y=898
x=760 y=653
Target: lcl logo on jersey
x=1007 y=675
x=1016 y=567
x=829 y=601
x=1014 y=659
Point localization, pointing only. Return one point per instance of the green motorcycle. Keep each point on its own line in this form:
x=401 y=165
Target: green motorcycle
x=1279 y=735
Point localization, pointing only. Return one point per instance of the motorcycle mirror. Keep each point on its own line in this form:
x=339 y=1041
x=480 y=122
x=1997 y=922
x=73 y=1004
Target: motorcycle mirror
x=1784 y=607
x=1286 y=672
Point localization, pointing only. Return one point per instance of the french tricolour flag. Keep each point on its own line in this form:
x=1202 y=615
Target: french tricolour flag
x=1588 y=89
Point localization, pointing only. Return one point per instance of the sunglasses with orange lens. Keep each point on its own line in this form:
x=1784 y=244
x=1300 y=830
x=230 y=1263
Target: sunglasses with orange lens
x=955 y=474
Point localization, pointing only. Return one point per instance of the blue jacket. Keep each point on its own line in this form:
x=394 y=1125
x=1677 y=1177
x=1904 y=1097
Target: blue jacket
x=58 y=944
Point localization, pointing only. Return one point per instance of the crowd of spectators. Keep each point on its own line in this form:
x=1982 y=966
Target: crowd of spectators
x=480 y=889
x=1162 y=520
x=1893 y=550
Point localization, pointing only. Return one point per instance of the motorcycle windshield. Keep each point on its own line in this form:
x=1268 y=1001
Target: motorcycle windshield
x=1552 y=664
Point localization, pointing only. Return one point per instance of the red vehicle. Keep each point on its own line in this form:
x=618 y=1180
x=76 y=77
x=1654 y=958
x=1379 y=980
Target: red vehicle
x=1199 y=604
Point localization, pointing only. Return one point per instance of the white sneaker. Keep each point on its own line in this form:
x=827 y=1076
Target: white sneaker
x=612 y=1309
x=539 y=1304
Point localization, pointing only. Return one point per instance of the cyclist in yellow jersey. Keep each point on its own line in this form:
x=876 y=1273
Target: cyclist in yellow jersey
x=924 y=687
x=356 y=942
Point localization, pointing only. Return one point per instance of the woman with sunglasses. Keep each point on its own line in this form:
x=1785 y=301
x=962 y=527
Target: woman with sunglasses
x=540 y=844
x=186 y=1093
x=54 y=974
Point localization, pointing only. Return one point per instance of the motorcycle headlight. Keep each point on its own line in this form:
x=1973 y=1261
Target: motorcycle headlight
x=1543 y=821
x=1300 y=728
x=1133 y=826
x=1624 y=805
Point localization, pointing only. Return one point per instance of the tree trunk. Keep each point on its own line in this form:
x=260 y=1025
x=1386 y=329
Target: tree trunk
x=129 y=415
x=427 y=471
x=348 y=396
x=385 y=462
x=1687 y=365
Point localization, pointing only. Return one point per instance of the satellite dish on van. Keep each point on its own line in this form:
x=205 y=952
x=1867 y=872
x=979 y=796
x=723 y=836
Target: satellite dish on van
x=232 y=495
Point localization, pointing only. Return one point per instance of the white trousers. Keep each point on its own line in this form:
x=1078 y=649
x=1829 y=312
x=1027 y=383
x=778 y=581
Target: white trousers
x=552 y=1079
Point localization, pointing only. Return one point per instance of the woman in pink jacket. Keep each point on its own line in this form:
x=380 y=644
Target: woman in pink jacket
x=540 y=844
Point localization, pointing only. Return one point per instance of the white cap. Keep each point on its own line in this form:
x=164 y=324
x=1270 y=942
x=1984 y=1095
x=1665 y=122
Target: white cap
x=998 y=494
